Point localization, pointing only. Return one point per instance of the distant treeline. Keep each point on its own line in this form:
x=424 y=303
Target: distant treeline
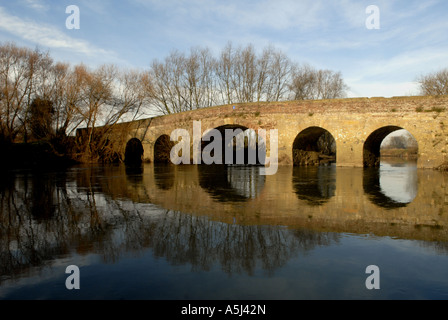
x=237 y=75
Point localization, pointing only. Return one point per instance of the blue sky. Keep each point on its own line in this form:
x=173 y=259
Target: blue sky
x=412 y=39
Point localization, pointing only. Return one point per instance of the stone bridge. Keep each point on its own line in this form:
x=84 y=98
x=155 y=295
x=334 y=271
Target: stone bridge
x=357 y=125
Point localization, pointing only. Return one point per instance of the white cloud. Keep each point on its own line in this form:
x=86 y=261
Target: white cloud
x=36 y=4
x=360 y=89
x=409 y=65
x=277 y=15
x=46 y=35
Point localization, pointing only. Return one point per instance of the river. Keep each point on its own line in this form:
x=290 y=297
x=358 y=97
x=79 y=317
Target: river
x=215 y=232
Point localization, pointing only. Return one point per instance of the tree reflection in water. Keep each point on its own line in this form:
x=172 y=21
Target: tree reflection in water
x=183 y=239
x=85 y=220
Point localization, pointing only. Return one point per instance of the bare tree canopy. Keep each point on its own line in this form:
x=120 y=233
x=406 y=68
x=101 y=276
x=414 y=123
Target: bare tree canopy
x=310 y=83
x=44 y=100
x=23 y=74
x=237 y=75
x=434 y=84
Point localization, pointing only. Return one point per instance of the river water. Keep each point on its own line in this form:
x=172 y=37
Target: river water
x=214 y=232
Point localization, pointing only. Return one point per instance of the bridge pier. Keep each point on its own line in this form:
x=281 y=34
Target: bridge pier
x=349 y=154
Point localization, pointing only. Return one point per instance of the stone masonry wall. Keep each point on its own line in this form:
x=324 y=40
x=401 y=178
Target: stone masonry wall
x=350 y=121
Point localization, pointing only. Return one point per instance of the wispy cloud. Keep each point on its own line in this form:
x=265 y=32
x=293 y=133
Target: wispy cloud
x=39 y=5
x=382 y=89
x=46 y=35
x=277 y=15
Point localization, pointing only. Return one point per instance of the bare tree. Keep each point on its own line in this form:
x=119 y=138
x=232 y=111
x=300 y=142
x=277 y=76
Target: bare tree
x=434 y=84
x=130 y=96
x=95 y=96
x=225 y=73
x=21 y=71
x=279 y=72
x=182 y=83
x=199 y=79
x=303 y=83
x=41 y=118
x=107 y=97
x=66 y=96
x=238 y=75
x=245 y=78
x=310 y=83
x=330 y=85
x=167 y=80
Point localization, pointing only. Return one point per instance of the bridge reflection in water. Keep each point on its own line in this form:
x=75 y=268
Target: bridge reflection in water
x=205 y=216
x=326 y=192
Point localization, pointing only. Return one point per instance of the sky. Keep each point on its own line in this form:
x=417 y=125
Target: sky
x=410 y=37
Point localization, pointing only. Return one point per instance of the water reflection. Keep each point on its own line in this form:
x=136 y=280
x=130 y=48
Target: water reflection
x=212 y=217
x=231 y=183
x=315 y=185
x=392 y=185
x=398 y=180
x=134 y=173
x=42 y=202
x=202 y=243
x=85 y=220
x=164 y=175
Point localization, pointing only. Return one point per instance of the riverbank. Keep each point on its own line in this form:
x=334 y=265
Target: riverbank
x=36 y=156
x=411 y=153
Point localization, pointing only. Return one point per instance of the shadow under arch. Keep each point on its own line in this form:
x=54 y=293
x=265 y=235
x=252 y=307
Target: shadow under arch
x=233 y=144
x=162 y=149
x=315 y=185
x=133 y=154
x=391 y=187
x=314 y=146
x=372 y=145
x=231 y=183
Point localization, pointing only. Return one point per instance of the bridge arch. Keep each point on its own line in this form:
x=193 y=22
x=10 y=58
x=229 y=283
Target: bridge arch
x=372 y=145
x=162 y=149
x=314 y=146
x=246 y=151
x=133 y=154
